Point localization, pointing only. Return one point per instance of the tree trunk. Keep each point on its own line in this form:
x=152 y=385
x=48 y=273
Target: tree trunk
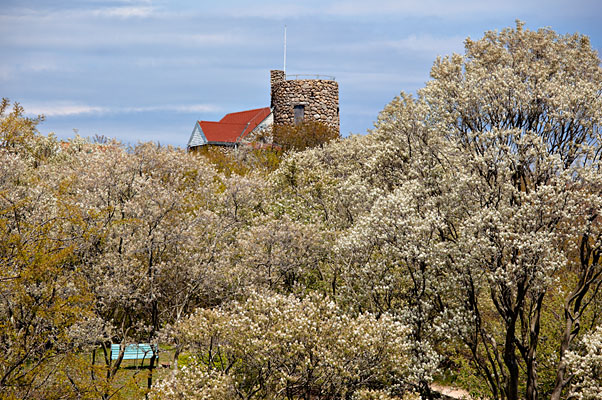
x=531 y=359
x=561 y=379
x=176 y=354
x=512 y=365
x=509 y=357
x=150 y=373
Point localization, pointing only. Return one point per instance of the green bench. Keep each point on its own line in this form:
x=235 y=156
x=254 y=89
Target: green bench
x=136 y=352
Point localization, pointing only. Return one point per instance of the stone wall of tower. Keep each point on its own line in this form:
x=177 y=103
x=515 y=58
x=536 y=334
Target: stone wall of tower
x=319 y=98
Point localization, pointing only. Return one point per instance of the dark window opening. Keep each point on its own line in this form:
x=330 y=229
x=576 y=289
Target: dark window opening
x=299 y=110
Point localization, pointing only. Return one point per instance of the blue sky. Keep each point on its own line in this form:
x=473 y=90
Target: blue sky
x=142 y=70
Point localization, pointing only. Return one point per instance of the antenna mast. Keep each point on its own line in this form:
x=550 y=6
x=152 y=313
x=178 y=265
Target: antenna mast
x=284 y=68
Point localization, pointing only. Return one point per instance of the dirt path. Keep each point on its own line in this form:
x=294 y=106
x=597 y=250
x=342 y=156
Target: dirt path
x=449 y=392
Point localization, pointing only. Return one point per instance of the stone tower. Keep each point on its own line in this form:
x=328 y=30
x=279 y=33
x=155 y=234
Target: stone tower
x=298 y=100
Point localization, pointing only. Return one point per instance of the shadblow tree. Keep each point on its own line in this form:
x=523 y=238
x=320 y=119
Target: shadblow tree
x=303 y=136
x=474 y=212
x=490 y=218
x=42 y=300
x=280 y=347
x=524 y=108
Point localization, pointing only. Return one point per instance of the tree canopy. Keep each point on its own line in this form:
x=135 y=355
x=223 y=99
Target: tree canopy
x=459 y=241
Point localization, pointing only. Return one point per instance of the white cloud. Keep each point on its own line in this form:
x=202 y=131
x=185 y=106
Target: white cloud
x=362 y=81
x=417 y=8
x=184 y=108
x=423 y=43
x=465 y=9
x=123 y=12
x=62 y=109
x=429 y=44
x=44 y=66
x=5 y=72
x=41 y=15
x=362 y=8
x=58 y=35
x=274 y=10
x=197 y=108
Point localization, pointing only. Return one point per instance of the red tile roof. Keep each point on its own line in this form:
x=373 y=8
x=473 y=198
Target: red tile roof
x=234 y=126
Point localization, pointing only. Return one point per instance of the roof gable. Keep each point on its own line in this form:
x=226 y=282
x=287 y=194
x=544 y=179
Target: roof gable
x=222 y=132
x=232 y=127
x=197 y=138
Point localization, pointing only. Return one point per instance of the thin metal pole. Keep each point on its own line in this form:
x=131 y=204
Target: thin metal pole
x=284 y=67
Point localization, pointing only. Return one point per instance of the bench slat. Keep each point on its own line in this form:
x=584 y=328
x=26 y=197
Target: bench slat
x=134 y=351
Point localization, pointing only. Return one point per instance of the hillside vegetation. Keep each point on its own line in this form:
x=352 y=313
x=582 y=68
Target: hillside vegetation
x=459 y=241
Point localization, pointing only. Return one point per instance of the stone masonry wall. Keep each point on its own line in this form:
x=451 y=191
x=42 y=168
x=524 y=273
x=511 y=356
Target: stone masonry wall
x=320 y=98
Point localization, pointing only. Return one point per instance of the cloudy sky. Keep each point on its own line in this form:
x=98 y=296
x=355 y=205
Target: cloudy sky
x=142 y=70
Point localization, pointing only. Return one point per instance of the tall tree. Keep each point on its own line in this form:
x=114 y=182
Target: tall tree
x=42 y=300
x=492 y=196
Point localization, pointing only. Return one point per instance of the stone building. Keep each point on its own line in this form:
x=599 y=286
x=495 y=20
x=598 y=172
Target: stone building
x=293 y=101
x=296 y=100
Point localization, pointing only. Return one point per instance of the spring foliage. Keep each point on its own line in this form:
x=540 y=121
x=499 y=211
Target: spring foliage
x=462 y=236
x=275 y=346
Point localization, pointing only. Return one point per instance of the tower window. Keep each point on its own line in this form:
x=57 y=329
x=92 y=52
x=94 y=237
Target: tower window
x=299 y=110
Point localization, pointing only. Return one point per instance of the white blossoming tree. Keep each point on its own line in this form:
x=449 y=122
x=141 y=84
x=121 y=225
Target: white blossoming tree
x=490 y=207
x=524 y=108
x=280 y=347
x=42 y=301
x=149 y=230
x=471 y=213
x=586 y=366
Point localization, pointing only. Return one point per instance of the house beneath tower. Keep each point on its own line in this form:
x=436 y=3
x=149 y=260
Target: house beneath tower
x=294 y=99
x=231 y=129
